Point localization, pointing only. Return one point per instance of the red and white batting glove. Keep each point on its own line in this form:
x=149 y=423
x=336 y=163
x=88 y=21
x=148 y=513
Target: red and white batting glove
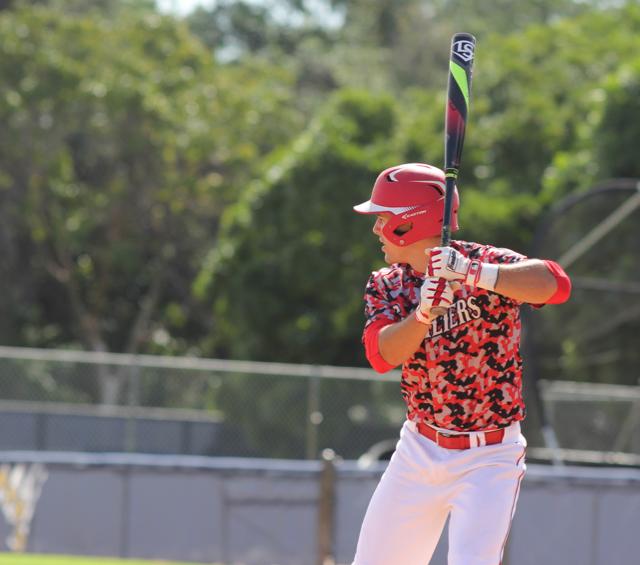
x=449 y=264
x=434 y=293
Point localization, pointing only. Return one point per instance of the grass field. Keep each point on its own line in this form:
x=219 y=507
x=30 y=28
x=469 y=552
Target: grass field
x=32 y=559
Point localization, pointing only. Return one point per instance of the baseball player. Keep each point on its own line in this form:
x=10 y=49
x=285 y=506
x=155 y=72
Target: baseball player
x=461 y=454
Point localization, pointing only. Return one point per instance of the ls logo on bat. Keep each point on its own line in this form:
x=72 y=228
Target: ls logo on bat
x=464 y=49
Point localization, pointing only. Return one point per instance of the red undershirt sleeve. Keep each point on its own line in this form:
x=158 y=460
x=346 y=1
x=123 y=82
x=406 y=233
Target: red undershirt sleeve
x=563 y=290
x=370 y=340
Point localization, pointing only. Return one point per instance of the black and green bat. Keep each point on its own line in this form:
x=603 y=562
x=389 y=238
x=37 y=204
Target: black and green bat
x=463 y=46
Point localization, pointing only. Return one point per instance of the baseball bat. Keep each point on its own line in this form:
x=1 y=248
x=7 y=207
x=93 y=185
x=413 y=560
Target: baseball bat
x=463 y=46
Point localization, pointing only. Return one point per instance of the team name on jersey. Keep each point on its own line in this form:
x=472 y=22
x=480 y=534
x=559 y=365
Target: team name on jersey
x=460 y=312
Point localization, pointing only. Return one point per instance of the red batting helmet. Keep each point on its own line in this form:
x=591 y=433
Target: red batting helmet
x=412 y=193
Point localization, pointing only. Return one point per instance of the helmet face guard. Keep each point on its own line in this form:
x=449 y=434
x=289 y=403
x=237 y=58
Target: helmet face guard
x=413 y=194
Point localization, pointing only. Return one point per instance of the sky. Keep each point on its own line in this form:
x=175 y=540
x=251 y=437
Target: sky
x=183 y=7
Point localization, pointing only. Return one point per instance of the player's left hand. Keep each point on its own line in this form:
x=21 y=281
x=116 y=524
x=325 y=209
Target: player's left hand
x=449 y=264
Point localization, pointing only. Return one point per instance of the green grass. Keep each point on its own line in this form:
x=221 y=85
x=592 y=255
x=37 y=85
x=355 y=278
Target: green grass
x=32 y=559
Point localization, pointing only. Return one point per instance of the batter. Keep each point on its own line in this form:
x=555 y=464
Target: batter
x=461 y=453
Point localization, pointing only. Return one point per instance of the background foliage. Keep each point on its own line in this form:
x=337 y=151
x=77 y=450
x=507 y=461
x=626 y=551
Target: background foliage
x=184 y=185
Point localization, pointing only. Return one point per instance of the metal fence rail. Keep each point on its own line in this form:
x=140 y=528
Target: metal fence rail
x=78 y=400
x=195 y=364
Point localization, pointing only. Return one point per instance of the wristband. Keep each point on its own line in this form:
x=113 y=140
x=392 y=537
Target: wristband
x=482 y=275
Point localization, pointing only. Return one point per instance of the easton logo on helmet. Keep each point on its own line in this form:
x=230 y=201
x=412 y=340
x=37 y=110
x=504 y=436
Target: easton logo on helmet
x=412 y=214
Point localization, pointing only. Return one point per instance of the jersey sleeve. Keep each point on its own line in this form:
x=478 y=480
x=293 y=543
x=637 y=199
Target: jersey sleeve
x=380 y=311
x=501 y=255
x=379 y=306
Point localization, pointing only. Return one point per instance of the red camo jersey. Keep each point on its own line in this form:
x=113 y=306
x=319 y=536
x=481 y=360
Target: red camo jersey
x=467 y=374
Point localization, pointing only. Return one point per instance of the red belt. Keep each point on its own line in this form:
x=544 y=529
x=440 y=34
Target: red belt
x=459 y=441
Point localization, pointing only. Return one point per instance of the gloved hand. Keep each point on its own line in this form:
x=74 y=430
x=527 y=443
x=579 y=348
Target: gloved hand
x=449 y=264
x=435 y=293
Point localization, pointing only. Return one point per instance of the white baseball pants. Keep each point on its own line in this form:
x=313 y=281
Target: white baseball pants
x=424 y=483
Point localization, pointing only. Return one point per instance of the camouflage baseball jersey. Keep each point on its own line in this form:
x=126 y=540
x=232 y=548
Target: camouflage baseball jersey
x=467 y=374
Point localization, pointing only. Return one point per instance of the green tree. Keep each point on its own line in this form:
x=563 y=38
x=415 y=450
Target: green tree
x=123 y=141
x=293 y=237
x=287 y=276
x=529 y=106
x=593 y=337
x=110 y=8
x=241 y=27
x=617 y=134
x=535 y=94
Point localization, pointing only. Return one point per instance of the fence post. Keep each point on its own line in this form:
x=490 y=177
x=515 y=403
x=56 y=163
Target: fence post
x=314 y=417
x=326 y=509
x=133 y=400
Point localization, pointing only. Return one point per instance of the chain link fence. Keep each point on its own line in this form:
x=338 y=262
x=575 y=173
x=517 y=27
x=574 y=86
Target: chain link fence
x=54 y=400
x=593 y=337
x=592 y=340
x=81 y=401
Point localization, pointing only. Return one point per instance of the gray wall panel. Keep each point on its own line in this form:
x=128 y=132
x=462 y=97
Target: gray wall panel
x=5 y=531
x=618 y=510
x=552 y=525
x=261 y=512
x=203 y=437
x=66 y=432
x=175 y=515
x=80 y=511
x=156 y=436
x=81 y=428
x=272 y=521
x=18 y=431
x=357 y=490
x=270 y=534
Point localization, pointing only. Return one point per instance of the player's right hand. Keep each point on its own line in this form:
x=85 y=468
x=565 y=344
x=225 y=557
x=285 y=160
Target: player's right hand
x=435 y=293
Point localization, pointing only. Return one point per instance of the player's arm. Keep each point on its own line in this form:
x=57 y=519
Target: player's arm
x=533 y=281
x=398 y=342
x=528 y=281
x=388 y=345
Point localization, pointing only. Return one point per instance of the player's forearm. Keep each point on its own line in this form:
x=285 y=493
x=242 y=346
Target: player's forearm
x=527 y=281
x=530 y=280
x=398 y=342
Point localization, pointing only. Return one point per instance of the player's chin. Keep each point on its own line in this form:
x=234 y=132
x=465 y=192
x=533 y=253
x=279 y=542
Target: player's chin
x=389 y=259
x=390 y=254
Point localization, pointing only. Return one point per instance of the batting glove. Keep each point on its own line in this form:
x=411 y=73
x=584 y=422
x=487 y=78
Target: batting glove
x=434 y=293
x=449 y=264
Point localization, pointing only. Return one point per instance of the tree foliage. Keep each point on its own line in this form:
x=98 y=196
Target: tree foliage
x=532 y=94
x=121 y=144
x=127 y=135
x=292 y=238
x=102 y=157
